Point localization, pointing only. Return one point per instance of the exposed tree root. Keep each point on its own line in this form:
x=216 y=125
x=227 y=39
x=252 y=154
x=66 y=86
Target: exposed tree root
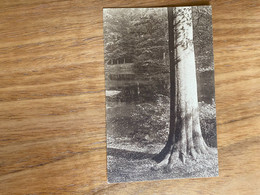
x=168 y=157
x=185 y=139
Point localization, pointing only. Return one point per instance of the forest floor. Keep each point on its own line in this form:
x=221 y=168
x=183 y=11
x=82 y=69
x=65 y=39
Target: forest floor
x=137 y=132
x=130 y=162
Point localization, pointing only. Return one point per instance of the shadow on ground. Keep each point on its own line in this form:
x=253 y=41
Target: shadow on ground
x=130 y=155
x=125 y=165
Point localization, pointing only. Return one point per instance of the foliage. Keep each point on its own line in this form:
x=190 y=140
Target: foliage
x=153 y=120
x=207 y=111
x=140 y=36
x=202 y=36
x=118 y=33
x=208 y=122
x=149 y=122
x=151 y=37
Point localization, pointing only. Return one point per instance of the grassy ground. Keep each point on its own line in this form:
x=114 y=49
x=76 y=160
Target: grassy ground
x=137 y=132
x=129 y=162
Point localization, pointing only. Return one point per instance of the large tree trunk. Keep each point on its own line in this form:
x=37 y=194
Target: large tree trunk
x=185 y=137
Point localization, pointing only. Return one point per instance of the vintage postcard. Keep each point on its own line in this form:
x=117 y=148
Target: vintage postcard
x=160 y=94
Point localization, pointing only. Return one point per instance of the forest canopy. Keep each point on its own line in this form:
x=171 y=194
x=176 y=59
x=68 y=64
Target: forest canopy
x=140 y=36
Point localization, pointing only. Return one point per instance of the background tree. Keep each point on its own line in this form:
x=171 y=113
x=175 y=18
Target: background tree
x=140 y=36
x=151 y=54
x=203 y=44
x=118 y=35
x=151 y=36
x=185 y=138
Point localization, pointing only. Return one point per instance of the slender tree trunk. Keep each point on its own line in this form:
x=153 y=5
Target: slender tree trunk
x=185 y=137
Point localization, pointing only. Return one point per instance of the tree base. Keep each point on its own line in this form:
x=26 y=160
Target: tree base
x=168 y=157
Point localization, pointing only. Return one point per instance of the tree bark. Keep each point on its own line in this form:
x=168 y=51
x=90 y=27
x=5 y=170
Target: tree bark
x=185 y=137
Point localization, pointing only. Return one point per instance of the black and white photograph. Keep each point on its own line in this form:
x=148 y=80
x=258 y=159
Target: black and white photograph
x=160 y=93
